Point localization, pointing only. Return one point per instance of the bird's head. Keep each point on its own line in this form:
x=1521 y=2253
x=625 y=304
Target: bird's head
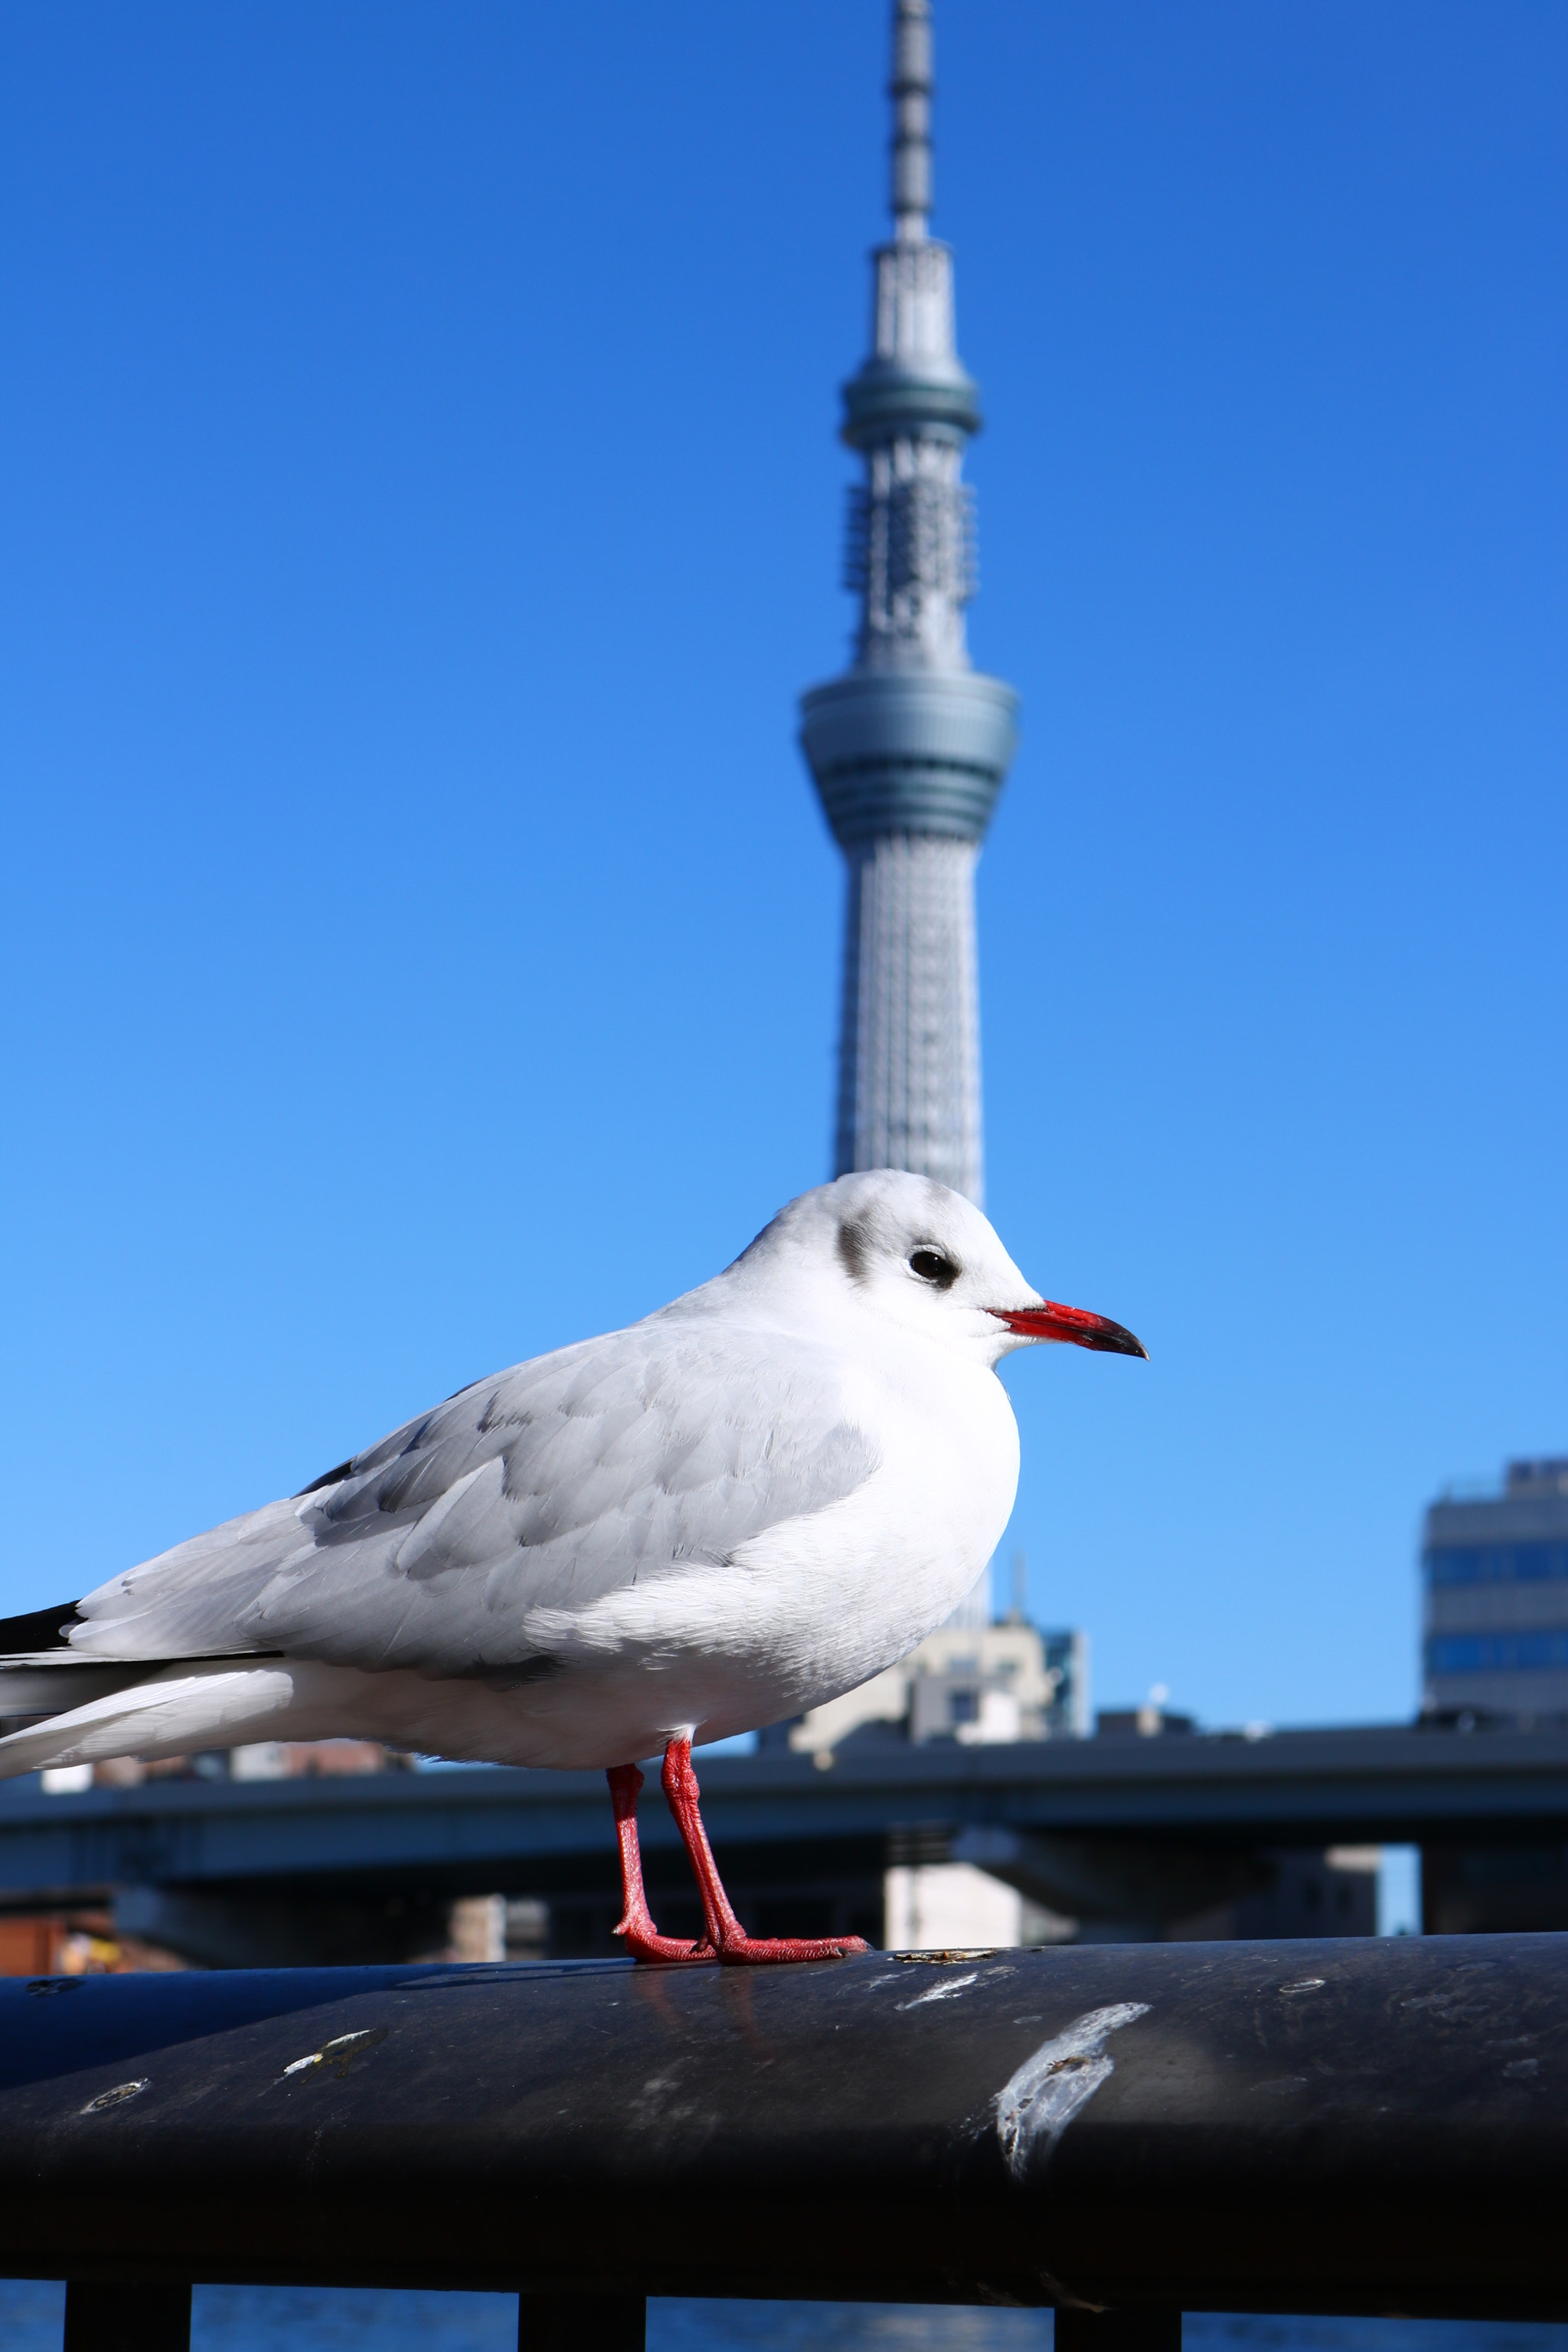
x=920 y=1256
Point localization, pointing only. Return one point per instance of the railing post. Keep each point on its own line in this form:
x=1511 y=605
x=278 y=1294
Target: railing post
x=1119 y=2331
x=579 y=2323
x=102 y=2318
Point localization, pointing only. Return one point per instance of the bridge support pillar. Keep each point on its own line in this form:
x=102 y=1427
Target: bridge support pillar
x=582 y=2323
x=1119 y=2331
x=100 y=2318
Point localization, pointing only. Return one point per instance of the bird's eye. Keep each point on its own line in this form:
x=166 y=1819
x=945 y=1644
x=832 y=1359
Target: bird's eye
x=933 y=1267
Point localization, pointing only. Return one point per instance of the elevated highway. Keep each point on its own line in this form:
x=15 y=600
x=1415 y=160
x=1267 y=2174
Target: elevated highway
x=1145 y=1830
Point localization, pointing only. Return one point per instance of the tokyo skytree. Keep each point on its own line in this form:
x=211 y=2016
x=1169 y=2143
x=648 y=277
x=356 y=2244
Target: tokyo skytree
x=909 y=747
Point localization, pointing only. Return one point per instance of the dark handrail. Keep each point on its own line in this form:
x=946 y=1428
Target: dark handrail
x=1344 y=2126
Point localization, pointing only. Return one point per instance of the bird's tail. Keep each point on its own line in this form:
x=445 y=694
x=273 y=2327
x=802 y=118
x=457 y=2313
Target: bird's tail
x=58 y=1706
x=170 y=1712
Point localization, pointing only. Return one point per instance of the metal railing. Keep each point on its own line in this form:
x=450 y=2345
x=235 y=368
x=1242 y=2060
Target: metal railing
x=1126 y=2132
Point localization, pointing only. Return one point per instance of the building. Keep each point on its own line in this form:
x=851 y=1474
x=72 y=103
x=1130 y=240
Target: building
x=978 y=1684
x=974 y=1683
x=1495 y=1571
x=910 y=747
x=1495 y=1653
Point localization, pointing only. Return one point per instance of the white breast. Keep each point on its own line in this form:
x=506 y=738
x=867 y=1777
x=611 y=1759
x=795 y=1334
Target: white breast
x=811 y=1606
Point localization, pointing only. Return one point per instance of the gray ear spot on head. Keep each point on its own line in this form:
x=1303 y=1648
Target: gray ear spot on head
x=854 y=1249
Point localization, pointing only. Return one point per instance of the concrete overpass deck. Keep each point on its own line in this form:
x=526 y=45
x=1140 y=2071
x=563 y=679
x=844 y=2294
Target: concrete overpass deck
x=485 y=1830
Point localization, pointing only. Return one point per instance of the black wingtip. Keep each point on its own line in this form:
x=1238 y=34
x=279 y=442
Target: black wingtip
x=327 y=1478
x=40 y=1629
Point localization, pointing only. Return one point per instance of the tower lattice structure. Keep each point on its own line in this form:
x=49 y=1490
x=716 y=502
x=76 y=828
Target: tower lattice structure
x=909 y=746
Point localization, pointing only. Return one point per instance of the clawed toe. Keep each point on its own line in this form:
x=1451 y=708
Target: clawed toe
x=647 y=1944
x=754 y=1951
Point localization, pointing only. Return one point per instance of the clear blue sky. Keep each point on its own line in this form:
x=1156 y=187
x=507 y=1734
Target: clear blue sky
x=421 y=508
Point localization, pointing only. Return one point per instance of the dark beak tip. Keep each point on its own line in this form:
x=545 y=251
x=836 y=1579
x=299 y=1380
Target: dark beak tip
x=1051 y=1321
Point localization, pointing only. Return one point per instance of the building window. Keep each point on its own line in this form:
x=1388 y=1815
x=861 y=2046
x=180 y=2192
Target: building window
x=1531 y=1563
x=1487 y=1653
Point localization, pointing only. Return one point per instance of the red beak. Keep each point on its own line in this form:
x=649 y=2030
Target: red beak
x=1050 y=1321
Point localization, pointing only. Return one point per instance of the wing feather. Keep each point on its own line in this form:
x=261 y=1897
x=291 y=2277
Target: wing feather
x=523 y=1498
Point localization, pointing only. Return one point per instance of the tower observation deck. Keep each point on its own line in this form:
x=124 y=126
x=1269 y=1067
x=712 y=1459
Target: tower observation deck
x=909 y=746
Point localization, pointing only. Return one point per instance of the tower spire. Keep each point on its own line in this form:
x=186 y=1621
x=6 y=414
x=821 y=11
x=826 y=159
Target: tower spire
x=909 y=747
x=910 y=91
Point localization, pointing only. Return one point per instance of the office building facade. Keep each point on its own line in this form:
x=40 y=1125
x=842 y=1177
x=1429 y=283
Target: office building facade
x=1495 y=1573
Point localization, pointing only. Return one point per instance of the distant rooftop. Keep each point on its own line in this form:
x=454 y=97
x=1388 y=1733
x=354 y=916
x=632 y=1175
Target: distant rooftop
x=1525 y=1480
x=1546 y=1475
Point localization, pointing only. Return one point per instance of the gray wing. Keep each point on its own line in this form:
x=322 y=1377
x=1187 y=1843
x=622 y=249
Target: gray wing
x=539 y=1489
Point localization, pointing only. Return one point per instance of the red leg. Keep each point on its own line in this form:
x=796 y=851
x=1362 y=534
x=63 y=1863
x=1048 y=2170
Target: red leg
x=724 y=1930
x=643 y=1940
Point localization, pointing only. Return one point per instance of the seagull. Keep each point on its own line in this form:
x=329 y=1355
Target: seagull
x=748 y=1503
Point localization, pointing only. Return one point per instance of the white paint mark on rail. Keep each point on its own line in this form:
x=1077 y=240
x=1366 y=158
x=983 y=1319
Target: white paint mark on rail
x=339 y=2055
x=1041 y=2099
x=947 y=1989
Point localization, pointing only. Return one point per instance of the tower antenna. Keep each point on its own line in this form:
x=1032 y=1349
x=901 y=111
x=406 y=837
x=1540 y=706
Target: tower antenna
x=911 y=90
x=909 y=747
